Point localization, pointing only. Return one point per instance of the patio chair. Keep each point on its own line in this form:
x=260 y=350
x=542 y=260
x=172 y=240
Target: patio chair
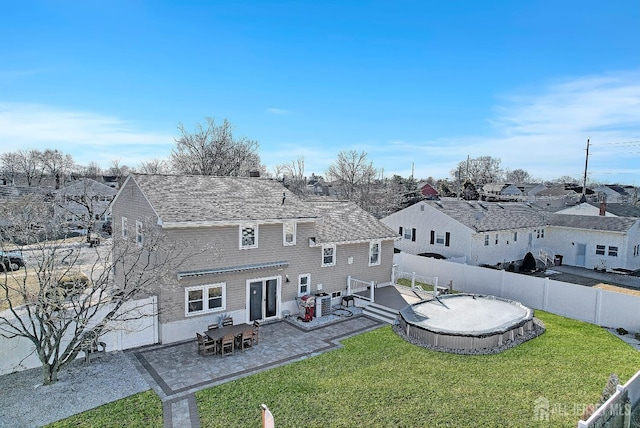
x=247 y=339
x=206 y=346
x=227 y=321
x=256 y=330
x=212 y=326
x=228 y=344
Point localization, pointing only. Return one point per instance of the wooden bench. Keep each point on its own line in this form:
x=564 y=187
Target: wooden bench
x=93 y=348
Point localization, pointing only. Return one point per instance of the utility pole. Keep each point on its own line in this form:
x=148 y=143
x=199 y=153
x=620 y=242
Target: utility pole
x=584 y=182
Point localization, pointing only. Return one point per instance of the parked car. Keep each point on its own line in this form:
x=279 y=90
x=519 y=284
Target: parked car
x=10 y=261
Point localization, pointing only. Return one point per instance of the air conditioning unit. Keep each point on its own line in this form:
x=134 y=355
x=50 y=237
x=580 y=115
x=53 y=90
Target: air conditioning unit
x=323 y=305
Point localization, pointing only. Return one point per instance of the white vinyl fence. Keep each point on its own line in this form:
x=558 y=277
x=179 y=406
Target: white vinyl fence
x=602 y=307
x=18 y=354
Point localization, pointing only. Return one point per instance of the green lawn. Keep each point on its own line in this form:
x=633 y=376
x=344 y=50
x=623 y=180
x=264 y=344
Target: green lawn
x=139 y=410
x=378 y=379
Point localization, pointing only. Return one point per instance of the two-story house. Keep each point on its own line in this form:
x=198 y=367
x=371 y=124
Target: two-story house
x=256 y=247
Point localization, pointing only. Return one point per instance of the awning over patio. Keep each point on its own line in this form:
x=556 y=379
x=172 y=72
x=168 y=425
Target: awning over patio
x=232 y=269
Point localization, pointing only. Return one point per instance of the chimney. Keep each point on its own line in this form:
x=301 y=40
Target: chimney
x=603 y=207
x=254 y=173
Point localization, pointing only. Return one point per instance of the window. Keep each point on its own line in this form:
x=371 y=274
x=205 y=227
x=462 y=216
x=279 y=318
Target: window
x=204 y=298
x=374 y=253
x=439 y=238
x=636 y=250
x=539 y=233
x=248 y=237
x=600 y=250
x=486 y=240
x=303 y=284
x=497 y=236
x=613 y=251
x=289 y=233
x=328 y=255
x=139 y=235
x=124 y=228
x=407 y=233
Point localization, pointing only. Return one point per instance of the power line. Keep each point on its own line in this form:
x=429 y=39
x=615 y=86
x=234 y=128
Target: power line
x=621 y=143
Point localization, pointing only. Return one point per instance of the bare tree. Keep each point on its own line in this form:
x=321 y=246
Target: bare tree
x=481 y=170
x=154 y=166
x=57 y=164
x=292 y=175
x=26 y=163
x=119 y=171
x=213 y=150
x=353 y=176
x=517 y=176
x=66 y=298
x=92 y=170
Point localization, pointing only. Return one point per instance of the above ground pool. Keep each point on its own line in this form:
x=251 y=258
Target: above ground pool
x=467 y=323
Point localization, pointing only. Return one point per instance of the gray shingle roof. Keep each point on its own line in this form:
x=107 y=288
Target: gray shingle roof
x=621 y=210
x=489 y=216
x=201 y=198
x=346 y=222
x=87 y=186
x=611 y=224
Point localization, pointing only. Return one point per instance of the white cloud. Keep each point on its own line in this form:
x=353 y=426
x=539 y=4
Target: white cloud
x=278 y=111
x=87 y=136
x=545 y=133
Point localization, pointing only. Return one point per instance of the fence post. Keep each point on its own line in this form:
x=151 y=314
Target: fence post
x=372 y=286
x=394 y=267
x=413 y=279
x=349 y=285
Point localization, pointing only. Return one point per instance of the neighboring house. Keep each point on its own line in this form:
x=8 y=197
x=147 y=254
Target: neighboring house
x=500 y=192
x=428 y=191
x=613 y=193
x=598 y=242
x=493 y=233
x=256 y=246
x=478 y=232
x=529 y=191
x=84 y=201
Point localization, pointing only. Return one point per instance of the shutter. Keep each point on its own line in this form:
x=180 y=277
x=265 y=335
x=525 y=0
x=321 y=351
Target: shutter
x=400 y=230
x=447 y=238
x=413 y=235
x=433 y=237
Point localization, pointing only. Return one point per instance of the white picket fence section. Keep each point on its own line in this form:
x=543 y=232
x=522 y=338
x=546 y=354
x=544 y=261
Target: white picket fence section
x=18 y=354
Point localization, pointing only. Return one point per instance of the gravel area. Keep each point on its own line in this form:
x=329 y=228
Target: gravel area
x=25 y=402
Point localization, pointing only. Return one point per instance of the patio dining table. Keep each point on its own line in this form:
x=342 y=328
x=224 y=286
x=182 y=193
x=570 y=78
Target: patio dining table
x=220 y=332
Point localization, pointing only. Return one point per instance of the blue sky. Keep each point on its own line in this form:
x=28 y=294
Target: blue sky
x=421 y=83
